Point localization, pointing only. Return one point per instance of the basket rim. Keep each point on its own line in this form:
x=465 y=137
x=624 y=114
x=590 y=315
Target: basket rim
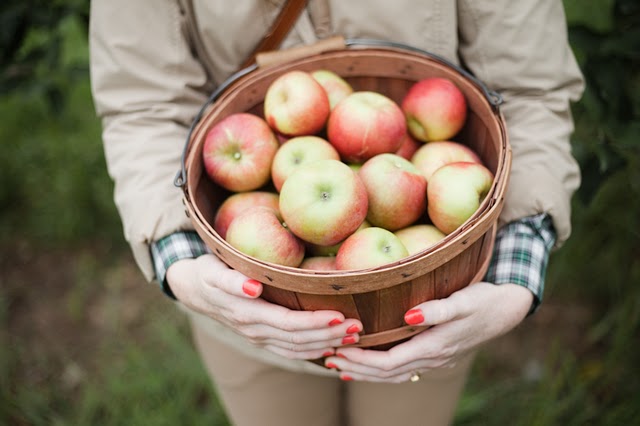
x=485 y=215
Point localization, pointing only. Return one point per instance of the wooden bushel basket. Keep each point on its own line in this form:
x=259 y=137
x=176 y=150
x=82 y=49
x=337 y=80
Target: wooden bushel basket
x=380 y=296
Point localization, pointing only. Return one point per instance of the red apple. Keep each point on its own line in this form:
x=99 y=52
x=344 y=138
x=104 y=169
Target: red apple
x=419 y=237
x=396 y=190
x=297 y=151
x=259 y=233
x=455 y=192
x=238 y=151
x=295 y=104
x=433 y=155
x=369 y=248
x=336 y=87
x=323 y=202
x=319 y=263
x=332 y=250
x=365 y=124
x=408 y=147
x=237 y=203
x=435 y=108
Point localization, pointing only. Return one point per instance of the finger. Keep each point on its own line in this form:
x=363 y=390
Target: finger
x=217 y=274
x=428 y=349
x=306 y=355
x=262 y=334
x=434 y=312
x=289 y=320
x=352 y=368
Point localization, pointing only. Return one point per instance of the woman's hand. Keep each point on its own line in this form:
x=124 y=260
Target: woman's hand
x=208 y=286
x=460 y=323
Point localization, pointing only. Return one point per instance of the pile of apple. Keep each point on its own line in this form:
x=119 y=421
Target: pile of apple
x=330 y=178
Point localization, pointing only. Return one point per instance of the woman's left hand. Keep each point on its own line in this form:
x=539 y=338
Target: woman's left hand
x=460 y=323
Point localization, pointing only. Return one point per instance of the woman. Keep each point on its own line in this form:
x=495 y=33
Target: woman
x=153 y=65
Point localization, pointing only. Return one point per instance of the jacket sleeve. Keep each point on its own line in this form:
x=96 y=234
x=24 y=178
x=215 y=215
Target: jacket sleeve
x=147 y=87
x=520 y=48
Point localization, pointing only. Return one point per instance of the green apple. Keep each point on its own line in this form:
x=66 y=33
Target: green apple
x=319 y=263
x=237 y=203
x=336 y=87
x=432 y=155
x=332 y=250
x=259 y=233
x=455 y=192
x=419 y=237
x=369 y=248
x=323 y=202
x=297 y=151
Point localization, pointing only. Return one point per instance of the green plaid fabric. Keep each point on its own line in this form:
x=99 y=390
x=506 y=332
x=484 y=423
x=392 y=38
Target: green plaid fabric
x=520 y=255
x=174 y=247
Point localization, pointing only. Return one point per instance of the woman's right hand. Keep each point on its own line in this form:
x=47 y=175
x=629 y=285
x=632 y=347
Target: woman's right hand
x=208 y=286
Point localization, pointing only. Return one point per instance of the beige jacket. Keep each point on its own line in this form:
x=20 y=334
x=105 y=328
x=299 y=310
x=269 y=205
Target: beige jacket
x=148 y=83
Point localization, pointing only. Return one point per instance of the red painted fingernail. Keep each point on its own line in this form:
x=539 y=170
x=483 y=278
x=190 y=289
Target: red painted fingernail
x=339 y=355
x=346 y=377
x=328 y=353
x=335 y=321
x=349 y=340
x=331 y=365
x=413 y=317
x=251 y=287
x=355 y=328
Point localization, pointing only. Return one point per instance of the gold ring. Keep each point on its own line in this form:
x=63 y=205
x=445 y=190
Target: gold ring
x=415 y=377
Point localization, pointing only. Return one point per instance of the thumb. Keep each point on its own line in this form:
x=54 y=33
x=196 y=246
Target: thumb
x=432 y=312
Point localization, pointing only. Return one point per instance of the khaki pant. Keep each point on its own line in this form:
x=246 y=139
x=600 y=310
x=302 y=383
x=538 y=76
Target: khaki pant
x=259 y=394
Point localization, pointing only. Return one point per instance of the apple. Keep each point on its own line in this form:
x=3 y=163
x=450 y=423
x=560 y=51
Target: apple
x=297 y=151
x=295 y=104
x=455 y=192
x=323 y=202
x=408 y=147
x=435 y=109
x=319 y=263
x=365 y=124
x=238 y=151
x=369 y=248
x=237 y=203
x=433 y=155
x=419 y=237
x=396 y=190
x=332 y=250
x=259 y=233
x=335 y=86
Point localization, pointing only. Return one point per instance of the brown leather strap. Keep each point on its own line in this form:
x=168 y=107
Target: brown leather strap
x=279 y=30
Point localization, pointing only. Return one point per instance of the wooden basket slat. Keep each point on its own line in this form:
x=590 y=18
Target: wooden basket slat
x=391 y=300
x=314 y=302
x=380 y=296
x=368 y=309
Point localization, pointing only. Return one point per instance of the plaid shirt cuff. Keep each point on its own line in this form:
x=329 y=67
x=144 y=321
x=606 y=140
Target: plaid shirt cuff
x=521 y=254
x=170 y=249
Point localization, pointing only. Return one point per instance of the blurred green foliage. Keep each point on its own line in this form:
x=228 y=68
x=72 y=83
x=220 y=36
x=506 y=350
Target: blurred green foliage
x=38 y=58
x=55 y=187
